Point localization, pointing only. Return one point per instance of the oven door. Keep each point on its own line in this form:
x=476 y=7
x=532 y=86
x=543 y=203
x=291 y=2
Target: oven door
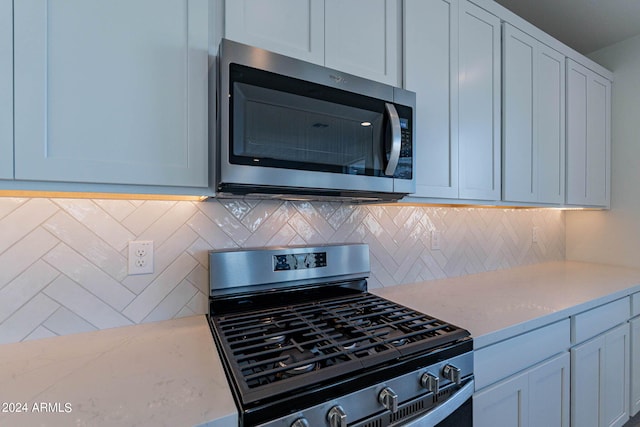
x=454 y=412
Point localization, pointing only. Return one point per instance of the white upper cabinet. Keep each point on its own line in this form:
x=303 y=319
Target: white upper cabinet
x=431 y=70
x=112 y=92
x=6 y=90
x=533 y=120
x=363 y=37
x=479 y=104
x=290 y=27
x=588 y=137
x=452 y=62
x=360 y=37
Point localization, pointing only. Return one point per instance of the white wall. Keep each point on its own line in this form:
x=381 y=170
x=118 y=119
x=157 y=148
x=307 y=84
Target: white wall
x=613 y=236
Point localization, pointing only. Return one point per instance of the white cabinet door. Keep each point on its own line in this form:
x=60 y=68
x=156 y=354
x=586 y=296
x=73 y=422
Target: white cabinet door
x=549 y=393
x=533 y=120
x=6 y=89
x=290 y=27
x=588 y=137
x=363 y=37
x=615 y=409
x=519 y=146
x=635 y=366
x=504 y=404
x=479 y=104
x=112 y=92
x=360 y=37
x=600 y=380
x=431 y=70
x=538 y=397
x=550 y=125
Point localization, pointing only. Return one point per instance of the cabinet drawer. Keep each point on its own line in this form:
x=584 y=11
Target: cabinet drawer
x=635 y=304
x=498 y=361
x=595 y=321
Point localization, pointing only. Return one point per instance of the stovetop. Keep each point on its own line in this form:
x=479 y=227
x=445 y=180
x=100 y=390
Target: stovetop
x=278 y=350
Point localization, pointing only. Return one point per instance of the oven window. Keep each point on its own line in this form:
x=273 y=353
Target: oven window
x=287 y=123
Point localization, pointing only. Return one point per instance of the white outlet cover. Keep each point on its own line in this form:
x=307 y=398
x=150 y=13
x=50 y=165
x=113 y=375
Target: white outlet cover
x=140 y=257
x=435 y=240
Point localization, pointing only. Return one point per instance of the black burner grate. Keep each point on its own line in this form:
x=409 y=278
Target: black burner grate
x=293 y=346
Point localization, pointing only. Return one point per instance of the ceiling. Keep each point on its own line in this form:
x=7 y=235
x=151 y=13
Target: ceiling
x=584 y=25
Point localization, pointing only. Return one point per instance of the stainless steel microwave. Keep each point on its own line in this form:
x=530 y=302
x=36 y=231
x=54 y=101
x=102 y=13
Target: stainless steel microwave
x=291 y=129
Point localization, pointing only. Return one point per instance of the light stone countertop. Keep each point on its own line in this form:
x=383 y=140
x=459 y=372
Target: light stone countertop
x=169 y=373
x=155 y=374
x=498 y=305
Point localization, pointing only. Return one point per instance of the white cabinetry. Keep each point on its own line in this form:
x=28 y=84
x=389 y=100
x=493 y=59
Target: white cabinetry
x=452 y=62
x=479 y=109
x=289 y=27
x=431 y=70
x=6 y=89
x=634 y=326
x=600 y=366
x=533 y=121
x=364 y=37
x=524 y=381
x=360 y=37
x=537 y=397
x=112 y=92
x=588 y=137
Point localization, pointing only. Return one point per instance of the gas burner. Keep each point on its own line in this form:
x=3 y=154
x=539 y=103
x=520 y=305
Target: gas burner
x=350 y=346
x=294 y=356
x=273 y=321
x=361 y=323
x=274 y=331
x=275 y=341
x=346 y=342
x=395 y=337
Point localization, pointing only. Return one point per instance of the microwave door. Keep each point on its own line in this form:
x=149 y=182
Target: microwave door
x=288 y=131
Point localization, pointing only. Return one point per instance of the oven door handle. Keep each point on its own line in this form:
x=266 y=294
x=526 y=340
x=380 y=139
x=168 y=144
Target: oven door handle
x=448 y=407
x=396 y=139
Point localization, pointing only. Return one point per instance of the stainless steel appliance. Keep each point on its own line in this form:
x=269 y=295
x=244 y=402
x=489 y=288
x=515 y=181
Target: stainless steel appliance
x=304 y=344
x=289 y=128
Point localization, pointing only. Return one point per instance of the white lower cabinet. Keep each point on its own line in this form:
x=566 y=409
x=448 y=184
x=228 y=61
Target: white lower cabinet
x=536 y=397
x=600 y=380
x=634 y=366
x=524 y=380
x=634 y=362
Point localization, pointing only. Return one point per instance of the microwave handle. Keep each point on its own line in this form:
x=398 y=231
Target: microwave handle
x=396 y=139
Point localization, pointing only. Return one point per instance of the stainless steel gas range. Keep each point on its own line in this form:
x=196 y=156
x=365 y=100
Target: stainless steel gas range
x=304 y=344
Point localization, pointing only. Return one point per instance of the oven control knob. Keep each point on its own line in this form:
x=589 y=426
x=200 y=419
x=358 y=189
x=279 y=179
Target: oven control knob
x=300 y=422
x=337 y=417
x=451 y=373
x=389 y=399
x=430 y=382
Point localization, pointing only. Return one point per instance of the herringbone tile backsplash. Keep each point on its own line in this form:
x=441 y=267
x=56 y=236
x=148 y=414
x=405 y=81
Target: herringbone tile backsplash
x=63 y=262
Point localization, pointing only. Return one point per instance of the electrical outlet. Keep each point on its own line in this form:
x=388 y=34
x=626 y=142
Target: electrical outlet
x=141 y=257
x=535 y=231
x=435 y=240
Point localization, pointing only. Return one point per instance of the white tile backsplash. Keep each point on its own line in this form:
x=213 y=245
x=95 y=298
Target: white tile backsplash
x=63 y=261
